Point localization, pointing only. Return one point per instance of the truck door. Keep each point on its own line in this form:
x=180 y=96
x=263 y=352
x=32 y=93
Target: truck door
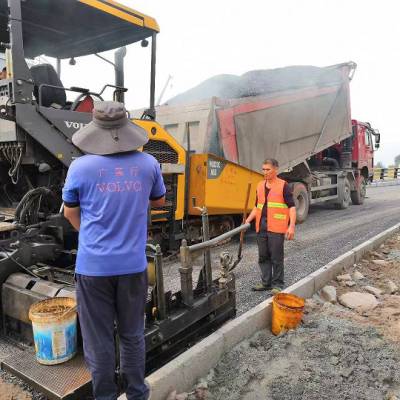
x=369 y=149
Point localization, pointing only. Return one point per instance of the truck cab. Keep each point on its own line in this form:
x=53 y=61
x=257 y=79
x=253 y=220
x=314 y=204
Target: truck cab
x=365 y=140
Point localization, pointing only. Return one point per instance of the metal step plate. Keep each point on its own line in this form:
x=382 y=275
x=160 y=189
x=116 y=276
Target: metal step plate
x=67 y=381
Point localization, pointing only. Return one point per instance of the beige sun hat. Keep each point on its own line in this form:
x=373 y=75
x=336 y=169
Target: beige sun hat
x=110 y=131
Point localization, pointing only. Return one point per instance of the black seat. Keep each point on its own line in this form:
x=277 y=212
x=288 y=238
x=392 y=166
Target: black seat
x=46 y=74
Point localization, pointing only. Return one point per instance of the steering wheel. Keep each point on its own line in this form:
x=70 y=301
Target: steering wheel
x=81 y=96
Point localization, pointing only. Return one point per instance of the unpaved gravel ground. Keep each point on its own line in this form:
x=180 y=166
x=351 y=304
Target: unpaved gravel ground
x=336 y=354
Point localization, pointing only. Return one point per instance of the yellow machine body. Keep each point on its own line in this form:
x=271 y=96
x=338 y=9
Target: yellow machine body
x=157 y=133
x=220 y=185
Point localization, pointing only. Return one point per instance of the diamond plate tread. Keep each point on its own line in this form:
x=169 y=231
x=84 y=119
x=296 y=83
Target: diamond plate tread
x=8 y=348
x=66 y=381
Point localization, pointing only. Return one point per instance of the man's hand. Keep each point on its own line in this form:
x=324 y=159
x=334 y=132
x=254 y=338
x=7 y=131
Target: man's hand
x=290 y=233
x=251 y=217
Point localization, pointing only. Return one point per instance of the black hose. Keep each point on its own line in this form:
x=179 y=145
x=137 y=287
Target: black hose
x=331 y=161
x=27 y=208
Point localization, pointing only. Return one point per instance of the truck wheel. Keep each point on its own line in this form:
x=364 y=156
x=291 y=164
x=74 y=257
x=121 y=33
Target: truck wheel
x=345 y=197
x=302 y=201
x=358 y=196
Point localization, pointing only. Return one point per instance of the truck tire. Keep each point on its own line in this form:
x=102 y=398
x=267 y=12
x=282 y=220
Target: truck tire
x=358 y=196
x=345 y=197
x=302 y=201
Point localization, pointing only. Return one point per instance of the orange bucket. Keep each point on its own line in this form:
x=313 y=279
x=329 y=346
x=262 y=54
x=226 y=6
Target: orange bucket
x=287 y=312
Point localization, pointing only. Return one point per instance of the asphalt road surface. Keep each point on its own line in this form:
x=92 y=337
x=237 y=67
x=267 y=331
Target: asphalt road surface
x=325 y=235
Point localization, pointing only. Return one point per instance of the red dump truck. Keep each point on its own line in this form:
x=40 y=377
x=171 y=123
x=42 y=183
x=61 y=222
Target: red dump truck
x=299 y=115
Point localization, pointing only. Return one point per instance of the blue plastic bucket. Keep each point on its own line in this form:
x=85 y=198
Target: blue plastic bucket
x=54 y=329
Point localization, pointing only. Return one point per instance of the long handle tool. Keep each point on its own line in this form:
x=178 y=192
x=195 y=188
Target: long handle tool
x=246 y=205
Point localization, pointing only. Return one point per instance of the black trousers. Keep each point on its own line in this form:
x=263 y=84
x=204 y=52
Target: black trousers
x=270 y=258
x=102 y=301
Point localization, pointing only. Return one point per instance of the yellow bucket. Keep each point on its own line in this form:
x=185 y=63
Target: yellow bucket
x=287 y=312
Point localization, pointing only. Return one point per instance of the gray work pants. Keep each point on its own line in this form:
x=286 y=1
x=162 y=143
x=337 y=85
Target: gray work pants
x=101 y=301
x=270 y=258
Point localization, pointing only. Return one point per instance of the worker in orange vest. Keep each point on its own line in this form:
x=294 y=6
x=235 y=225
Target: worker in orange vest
x=275 y=218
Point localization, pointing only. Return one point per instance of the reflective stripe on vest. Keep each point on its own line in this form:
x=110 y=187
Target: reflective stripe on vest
x=279 y=216
x=272 y=204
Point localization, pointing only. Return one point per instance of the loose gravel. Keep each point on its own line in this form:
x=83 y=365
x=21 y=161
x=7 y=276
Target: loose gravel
x=337 y=353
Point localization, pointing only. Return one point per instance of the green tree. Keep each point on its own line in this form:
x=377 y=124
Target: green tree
x=379 y=164
x=397 y=161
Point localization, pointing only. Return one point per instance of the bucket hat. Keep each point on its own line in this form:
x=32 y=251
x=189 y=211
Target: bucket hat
x=110 y=131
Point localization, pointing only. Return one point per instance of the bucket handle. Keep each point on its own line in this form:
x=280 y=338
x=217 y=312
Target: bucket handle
x=72 y=309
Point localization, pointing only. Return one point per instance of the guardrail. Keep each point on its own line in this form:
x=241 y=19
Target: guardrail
x=381 y=174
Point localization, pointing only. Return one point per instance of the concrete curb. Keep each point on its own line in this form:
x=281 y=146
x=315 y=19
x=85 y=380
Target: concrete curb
x=183 y=372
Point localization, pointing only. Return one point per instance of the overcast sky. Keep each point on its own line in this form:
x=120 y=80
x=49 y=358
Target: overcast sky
x=199 y=39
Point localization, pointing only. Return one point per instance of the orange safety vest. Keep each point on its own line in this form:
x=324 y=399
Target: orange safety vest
x=277 y=209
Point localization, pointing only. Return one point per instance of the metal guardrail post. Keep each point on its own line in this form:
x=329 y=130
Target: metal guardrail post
x=391 y=172
x=186 y=271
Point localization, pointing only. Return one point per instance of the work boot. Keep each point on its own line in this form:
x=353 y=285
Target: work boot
x=260 y=287
x=149 y=387
x=276 y=290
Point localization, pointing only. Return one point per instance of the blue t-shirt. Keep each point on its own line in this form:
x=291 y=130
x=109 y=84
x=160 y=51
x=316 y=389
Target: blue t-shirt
x=113 y=193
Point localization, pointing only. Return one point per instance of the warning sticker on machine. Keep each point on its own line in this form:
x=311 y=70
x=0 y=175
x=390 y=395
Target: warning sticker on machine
x=214 y=168
x=59 y=343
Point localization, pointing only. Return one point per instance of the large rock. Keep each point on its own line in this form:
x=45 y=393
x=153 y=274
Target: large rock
x=373 y=290
x=358 y=301
x=381 y=263
x=345 y=277
x=328 y=293
x=357 y=276
x=392 y=287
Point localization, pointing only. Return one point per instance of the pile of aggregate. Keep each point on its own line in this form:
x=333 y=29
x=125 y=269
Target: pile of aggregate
x=326 y=358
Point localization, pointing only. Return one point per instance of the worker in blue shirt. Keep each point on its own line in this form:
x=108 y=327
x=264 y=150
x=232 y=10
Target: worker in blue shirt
x=106 y=198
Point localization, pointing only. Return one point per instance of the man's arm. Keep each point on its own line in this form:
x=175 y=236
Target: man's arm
x=157 y=203
x=288 y=196
x=158 y=191
x=251 y=216
x=292 y=223
x=73 y=215
x=253 y=213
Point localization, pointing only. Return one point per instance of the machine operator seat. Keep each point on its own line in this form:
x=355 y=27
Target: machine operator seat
x=50 y=97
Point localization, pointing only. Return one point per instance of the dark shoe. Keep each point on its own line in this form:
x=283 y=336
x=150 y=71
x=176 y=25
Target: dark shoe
x=149 y=387
x=260 y=287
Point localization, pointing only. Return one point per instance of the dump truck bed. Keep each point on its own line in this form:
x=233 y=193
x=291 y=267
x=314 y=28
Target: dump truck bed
x=289 y=114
